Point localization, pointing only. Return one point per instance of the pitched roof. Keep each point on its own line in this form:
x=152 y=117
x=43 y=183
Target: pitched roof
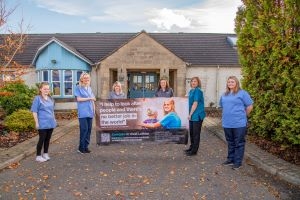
x=194 y=48
x=62 y=44
x=200 y=48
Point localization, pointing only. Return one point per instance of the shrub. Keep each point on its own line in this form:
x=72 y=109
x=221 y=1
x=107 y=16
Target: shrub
x=15 y=96
x=20 y=121
x=268 y=47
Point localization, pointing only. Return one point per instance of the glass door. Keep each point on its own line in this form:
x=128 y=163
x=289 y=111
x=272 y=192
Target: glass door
x=142 y=85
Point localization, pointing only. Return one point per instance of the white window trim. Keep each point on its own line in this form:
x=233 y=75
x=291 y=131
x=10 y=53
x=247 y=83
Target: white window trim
x=64 y=81
x=59 y=75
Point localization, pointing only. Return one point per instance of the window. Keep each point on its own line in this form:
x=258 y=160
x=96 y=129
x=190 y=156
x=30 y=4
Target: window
x=45 y=76
x=56 y=82
x=68 y=82
x=232 y=41
x=150 y=82
x=138 y=82
x=8 y=77
x=62 y=81
x=78 y=76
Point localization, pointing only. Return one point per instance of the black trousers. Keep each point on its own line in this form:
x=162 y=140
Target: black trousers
x=195 y=130
x=44 y=140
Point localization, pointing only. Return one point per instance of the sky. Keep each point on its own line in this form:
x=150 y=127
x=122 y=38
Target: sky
x=90 y=16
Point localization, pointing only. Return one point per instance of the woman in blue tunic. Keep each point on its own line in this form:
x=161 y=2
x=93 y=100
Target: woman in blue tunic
x=236 y=106
x=43 y=113
x=196 y=115
x=86 y=111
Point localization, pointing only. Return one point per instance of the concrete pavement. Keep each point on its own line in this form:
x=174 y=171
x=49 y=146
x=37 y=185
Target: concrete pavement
x=261 y=159
x=28 y=147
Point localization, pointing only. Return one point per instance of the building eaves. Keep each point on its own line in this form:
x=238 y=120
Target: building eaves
x=194 y=48
x=65 y=46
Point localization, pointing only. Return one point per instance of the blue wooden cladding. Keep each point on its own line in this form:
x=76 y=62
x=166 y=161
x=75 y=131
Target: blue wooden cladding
x=54 y=56
x=61 y=68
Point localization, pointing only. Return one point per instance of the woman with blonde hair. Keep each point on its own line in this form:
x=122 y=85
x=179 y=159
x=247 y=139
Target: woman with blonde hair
x=86 y=111
x=236 y=106
x=117 y=92
x=43 y=113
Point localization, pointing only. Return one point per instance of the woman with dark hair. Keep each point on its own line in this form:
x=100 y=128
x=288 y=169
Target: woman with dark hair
x=236 y=106
x=196 y=115
x=164 y=89
x=43 y=113
x=86 y=111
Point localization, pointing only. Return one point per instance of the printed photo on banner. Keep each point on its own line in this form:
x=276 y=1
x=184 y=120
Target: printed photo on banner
x=142 y=113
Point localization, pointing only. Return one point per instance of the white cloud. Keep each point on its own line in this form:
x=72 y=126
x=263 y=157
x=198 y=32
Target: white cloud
x=63 y=7
x=210 y=16
x=156 y=15
x=166 y=18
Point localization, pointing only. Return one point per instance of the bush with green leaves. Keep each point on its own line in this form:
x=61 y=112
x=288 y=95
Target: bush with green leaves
x=20 y=121
x=15 y=96
x=269 y=50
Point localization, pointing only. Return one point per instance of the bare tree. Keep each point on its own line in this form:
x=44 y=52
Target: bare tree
x=11 y=43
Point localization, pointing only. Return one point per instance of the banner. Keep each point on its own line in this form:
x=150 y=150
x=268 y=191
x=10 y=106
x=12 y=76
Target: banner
x=142 y=119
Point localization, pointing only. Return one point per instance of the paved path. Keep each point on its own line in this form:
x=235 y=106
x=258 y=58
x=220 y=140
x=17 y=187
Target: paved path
x=28 y=147
x=137 y=171
x=260 y=158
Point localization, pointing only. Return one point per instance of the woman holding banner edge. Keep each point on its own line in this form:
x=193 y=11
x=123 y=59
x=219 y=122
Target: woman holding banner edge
x=196 y=115
x=86 y=111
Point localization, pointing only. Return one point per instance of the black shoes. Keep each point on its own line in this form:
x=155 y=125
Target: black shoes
x=189 y=153
x=84 y=151
x=230 y=163
x=227 y=162
x=187 y=150
x=87 y=151
x=80 y=151
x=236 y=167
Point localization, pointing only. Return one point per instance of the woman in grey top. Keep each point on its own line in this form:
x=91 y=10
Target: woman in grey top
x=164 y=89
x=117 y=92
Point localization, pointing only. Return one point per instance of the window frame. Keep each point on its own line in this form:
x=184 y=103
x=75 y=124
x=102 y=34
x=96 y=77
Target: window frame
x=61 y=76
x=59 y=81
x=64 y=82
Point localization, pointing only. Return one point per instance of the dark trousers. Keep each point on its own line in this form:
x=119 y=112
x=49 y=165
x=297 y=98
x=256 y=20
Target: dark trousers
x=195 y=130
x=85 y=126
x=235 y=138
x=44 y=140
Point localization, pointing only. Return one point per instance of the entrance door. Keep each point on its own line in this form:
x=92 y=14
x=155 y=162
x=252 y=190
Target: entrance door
x=142 y=85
